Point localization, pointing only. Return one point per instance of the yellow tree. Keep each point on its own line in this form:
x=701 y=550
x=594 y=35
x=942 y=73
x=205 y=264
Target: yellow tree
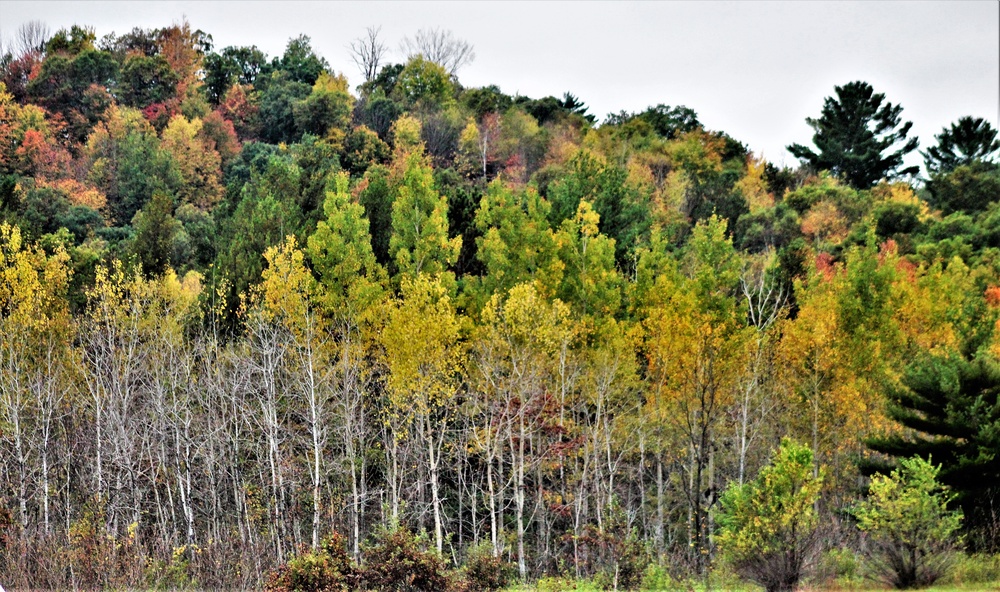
x=197 y=161
x=522 y=355
x=426 y=360
x=839 y=354
x=287 y=295
x=696 y=337
x=35 y=334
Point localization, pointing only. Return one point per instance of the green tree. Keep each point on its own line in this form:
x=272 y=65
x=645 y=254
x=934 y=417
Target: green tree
x=422 y=82
x=907 y=518
x=967 y=140
x=623 y=207
x=66 y=85
x=145 y=80
x=767 y=526
x=277 y=107
x=966 y=188
x=854 y=137
x=591 y=282
x=155 y=228
x=128 y=164
x=951 y=407
x=327 y=109
x=419 y=241
x=517 y=244
x=341 y=250
x=233 y=65
x=300 y=61
x=376 y=197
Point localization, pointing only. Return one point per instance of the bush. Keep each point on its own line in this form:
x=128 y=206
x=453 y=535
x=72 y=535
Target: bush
x=328 y=569
x=979 y=568
x=484 y=572
x=838 y=566
x=910 y=527
x=400 y=562
x=613 y=556
x=767 y=526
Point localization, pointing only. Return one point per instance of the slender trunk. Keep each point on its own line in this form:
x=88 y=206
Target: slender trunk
x=491 y=488
x=659 y=507
x=433 y=456
x=355 y=510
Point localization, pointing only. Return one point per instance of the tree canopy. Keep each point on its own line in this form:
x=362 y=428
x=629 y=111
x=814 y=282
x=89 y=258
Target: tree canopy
x=856 y=136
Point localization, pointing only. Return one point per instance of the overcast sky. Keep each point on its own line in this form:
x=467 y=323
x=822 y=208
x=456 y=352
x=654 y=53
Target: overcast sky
x=755 y=70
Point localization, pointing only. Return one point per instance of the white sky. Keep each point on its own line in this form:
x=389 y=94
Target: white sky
x=755 y=70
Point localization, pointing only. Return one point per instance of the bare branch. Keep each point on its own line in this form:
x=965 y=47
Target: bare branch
x=30 y=38
x=440 y=47
x=367 y=52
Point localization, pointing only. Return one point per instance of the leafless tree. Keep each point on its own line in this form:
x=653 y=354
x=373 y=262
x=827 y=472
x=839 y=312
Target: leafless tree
x=440 y=47
x=368 y=52
x=30 y=37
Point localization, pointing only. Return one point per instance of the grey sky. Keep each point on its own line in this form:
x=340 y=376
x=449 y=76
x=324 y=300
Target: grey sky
x=755 y=70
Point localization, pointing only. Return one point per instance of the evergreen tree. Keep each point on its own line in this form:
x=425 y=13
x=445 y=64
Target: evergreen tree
x=155 y=228
x=854 y=137
x=952 y=406
x=966 y=141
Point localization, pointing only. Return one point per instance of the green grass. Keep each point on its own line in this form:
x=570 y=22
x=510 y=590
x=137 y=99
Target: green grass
x=567 y=585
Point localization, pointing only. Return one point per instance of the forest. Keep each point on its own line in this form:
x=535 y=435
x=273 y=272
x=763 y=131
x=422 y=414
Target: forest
x=265 y=328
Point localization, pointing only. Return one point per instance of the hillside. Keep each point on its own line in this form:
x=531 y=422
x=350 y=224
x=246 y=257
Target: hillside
x=247 y=303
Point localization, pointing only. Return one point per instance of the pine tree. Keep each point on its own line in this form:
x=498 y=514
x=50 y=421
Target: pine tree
x=854 y=135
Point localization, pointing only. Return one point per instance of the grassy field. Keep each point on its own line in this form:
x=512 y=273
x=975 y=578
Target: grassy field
x=557 y=585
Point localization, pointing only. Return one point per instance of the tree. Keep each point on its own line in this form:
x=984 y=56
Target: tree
x=326 y=112
x=128 y=164
x=767 y=526
x=906 y=515
x=277 y=107
x=591 y=282
x=419 y=241
x=145 y=80
x=300 y=61
x=966 y=141
x=425 y=375
x=155 y=228
x=423 y=82
x=517 y=244
x=966 y=188
x=34 y=325
x=197 y=162
x=368 y=52
x=441 y=47
x=855 y=134
x=952 y=407
x=696 y=336
x=666 y=121
x=341 y=251
x=519 y=356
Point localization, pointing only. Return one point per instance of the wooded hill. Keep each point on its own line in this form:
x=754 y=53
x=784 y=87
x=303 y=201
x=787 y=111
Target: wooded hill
x=245 y=304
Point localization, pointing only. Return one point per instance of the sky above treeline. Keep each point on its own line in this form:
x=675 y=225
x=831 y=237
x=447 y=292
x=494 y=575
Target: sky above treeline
x=755 y=70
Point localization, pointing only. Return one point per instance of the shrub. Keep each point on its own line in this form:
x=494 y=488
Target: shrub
x=399 y=561
x=328 y=569
x=484 y=572
x=613 y=556
x=979 y=568
x=838 y=566
x=767 y=526
x=909 y=525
